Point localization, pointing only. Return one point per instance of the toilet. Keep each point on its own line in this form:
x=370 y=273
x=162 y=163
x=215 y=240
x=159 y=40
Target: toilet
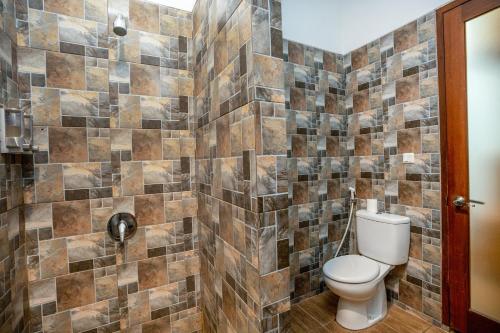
x=383 y=242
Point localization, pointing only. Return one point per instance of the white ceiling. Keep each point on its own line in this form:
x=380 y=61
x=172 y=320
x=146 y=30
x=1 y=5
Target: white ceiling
x=181 y=4
x=342 y=26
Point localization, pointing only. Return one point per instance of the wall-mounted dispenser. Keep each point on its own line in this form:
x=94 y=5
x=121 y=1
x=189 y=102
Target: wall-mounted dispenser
x=16 y=131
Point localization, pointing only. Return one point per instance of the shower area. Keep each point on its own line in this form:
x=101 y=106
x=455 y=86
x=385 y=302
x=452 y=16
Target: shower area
x=233 y=149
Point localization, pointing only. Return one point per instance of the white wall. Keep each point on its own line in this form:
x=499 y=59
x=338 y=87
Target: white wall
x=342 y=26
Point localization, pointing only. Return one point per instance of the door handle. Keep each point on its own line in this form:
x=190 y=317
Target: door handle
x=460 y=201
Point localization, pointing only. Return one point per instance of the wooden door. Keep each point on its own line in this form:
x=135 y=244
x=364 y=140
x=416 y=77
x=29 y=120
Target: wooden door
x=453 y=20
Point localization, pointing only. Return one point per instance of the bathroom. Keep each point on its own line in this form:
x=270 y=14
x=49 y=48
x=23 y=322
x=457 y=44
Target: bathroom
x=249 y=166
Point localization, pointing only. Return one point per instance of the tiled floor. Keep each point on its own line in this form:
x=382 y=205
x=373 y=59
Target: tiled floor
x=317 y=315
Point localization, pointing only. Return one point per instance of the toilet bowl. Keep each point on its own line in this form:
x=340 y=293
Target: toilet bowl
x=359 y=283
x=383 y=241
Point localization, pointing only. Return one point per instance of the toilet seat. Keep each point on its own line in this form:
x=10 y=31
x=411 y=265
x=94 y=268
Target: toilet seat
x=352 y=269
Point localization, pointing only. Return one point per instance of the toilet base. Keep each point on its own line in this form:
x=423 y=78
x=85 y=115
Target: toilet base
x=359 y=315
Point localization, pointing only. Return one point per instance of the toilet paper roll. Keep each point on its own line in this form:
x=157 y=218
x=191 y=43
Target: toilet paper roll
x=371 y=205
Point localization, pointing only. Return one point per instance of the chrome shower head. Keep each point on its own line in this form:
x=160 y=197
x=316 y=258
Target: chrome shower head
x=120 y=25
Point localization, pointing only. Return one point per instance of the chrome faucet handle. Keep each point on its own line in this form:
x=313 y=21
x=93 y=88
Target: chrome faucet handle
x=122 y=227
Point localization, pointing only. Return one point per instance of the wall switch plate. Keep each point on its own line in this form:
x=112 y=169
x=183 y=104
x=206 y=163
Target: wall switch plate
x=408 y=158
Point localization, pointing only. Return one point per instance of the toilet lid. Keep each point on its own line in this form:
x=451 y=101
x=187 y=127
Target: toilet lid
x=351 y=269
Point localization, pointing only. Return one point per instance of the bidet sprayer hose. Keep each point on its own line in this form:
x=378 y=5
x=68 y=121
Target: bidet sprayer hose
x=353 y=202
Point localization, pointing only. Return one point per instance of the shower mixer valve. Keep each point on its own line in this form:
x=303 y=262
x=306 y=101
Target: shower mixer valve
x=122 y=226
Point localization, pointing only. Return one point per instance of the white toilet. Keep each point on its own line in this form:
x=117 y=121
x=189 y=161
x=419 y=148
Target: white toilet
x=358 y=280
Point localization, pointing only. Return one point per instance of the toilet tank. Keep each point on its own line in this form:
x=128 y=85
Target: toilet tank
x=383 y=237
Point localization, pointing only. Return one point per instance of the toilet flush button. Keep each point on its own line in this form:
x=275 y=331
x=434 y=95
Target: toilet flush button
x=408 y=158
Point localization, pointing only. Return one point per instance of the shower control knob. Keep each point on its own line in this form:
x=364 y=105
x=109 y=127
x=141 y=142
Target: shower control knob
x=122 y=226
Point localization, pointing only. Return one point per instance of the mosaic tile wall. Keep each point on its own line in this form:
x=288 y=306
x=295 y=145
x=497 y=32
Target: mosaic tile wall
x=113 y=120
x=241 y=165
x=392 y=103
x=317 y=162
x=14 y=304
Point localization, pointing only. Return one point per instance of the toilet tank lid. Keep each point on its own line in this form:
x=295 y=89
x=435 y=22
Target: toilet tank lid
x=383 y=217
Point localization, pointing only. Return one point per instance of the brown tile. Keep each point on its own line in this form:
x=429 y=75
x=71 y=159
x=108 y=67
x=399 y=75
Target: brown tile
x=68 y=145
x=45 y=106
x=361 y=101
x=144 y=80
x=405 y=37
x=273 y=136
x=97 y=79
x=410 y=193
x=304 y=322
x=323 y=307
x=416 y=246
x=295 y=53
x=146 y=145
x=91 y=316
x=409 y=141
x=364 y=188
x=300 y=193
x=96 y=10
x=299 y=145
x=65 y=71
x=130 y=111
x=42 y=291
x=152 y=272
x=71 y=218
x=403 y=321
x=407 y=89
x=57 y=323
x=43 y=30
x=192 y=323
x=82 y=175
x=149 y=209
x=301 y=239
x=297 y=99
x=144 y=16
x=49 y=185
x=363 y=145
x=75 y=290
x=138 y=308
x=157 y=326
x=86 y=247
x=229 y=303
x=359 y=58
x=66 y=7
x=79 y=103
x=99 y=149
x=274 y=286
x=268 y=71
x=53 y=258
x=132 y=178
x=106 y=287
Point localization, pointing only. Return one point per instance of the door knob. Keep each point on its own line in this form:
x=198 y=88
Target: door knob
x=460 y=201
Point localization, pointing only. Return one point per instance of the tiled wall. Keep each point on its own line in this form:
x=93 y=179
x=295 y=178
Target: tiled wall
x=14 y=305
x=317 y=163
x=113 y=120
x=241 y=165
x=392 y=102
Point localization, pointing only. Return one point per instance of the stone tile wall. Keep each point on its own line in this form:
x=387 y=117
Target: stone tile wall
x=317 y=162
x=241 y=164
x=392 y=103
x=390 y=108
x=14 y=304
x=113 y=119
